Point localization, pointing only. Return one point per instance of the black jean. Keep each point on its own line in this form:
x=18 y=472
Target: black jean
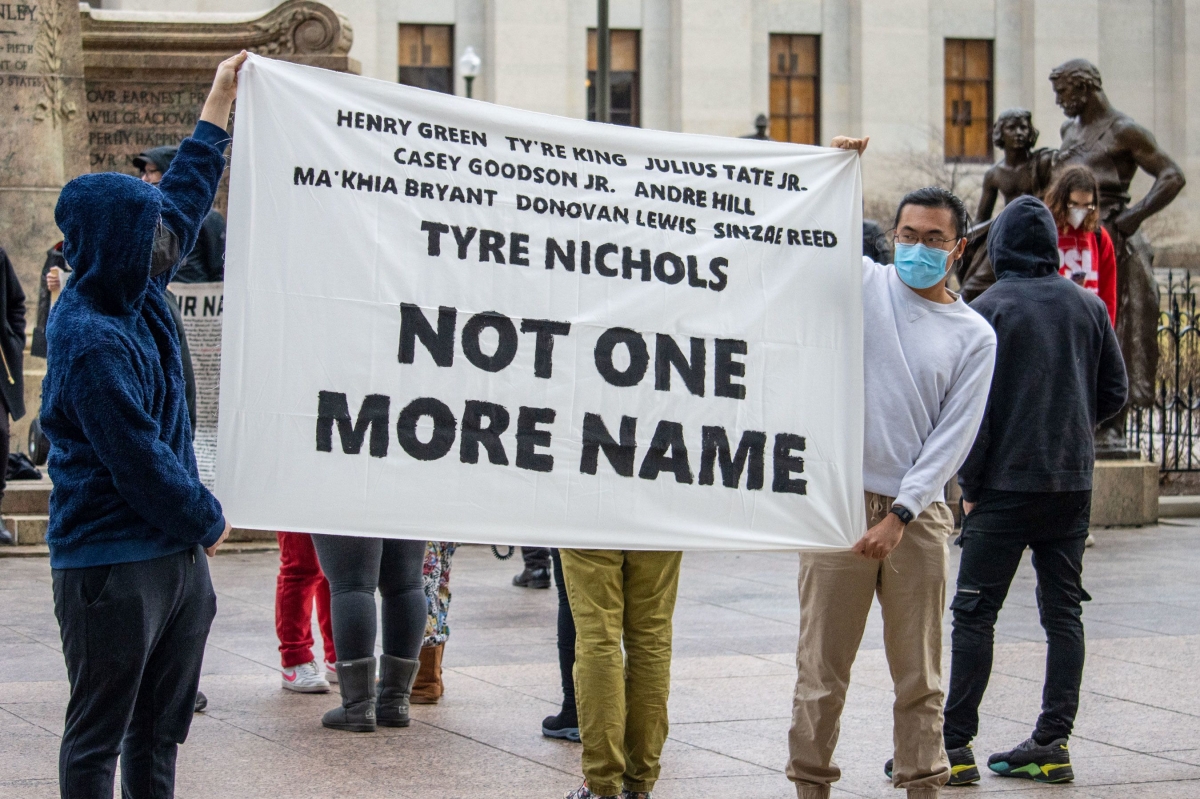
x=133 y=639
x=536 y=557
x=995 y=536
x=355 y=567
x=566 y=637
x=5 y=443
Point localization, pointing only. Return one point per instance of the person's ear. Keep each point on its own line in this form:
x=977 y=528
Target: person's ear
x=958 y=251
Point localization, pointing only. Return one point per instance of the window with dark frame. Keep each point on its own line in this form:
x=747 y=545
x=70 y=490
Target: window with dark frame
x=625 y=77
x=795 y=88
x=969 y=100
x=426 y=57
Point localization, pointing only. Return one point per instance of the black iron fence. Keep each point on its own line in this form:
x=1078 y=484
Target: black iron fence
x=1168 y=432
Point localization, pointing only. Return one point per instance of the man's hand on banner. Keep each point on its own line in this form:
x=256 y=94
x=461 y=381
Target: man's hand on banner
x=847 y=143
x=880 y=540
x=210 y=551
x=223 y=92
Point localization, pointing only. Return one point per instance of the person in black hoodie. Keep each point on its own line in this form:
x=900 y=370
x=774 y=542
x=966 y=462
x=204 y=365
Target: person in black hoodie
x=130 y=521
x=206 y=262
x=1027 y=483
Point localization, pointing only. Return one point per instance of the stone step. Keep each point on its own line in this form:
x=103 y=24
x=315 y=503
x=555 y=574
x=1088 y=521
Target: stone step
x=1179 y=507
x=27 y=528
x=27 y=497
x=26 y=511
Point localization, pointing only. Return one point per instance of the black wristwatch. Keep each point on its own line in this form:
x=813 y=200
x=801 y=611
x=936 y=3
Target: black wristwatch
x=904 y=514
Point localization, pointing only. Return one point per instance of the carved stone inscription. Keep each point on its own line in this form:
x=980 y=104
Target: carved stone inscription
x=126 y=118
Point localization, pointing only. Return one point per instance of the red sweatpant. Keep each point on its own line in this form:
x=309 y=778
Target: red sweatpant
x=300 y=578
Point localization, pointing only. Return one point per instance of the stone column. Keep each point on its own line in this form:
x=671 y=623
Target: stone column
x=528 y=43
x=43 y=139
x=713 y=61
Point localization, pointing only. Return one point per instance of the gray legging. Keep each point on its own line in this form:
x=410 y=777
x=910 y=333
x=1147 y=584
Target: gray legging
x=355 y=567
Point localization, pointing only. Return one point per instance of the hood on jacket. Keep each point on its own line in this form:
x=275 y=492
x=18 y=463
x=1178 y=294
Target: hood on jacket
x=108 y=222
x=1023 y=241
x=161 y=157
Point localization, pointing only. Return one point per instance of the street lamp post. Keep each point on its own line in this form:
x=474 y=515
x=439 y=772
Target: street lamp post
x=468 y=65
x=603 y=63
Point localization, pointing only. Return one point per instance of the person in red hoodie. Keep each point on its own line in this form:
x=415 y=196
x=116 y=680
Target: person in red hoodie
x=1085 y=251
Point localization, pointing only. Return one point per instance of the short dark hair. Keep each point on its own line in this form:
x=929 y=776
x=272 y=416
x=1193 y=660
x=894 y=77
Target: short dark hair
x=937 y=197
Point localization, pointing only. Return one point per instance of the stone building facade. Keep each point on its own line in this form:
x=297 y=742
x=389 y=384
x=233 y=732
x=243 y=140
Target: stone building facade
x=923 y=78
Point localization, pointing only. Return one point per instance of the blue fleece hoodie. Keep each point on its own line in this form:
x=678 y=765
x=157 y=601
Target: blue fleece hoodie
x=125 y=480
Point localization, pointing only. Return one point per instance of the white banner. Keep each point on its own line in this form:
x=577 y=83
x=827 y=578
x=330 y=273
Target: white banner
x=456 y=321
x=200 y=306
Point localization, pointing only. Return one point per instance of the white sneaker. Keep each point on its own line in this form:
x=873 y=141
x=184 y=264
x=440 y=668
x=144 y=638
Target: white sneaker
x=331 y=672
x=305 y=679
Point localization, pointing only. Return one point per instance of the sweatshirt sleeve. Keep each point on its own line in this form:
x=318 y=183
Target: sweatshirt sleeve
x=970 y=474
x=145 y=472
x=190 y=185
x=1107 y=273
x=954 y=433
x=1112 y=384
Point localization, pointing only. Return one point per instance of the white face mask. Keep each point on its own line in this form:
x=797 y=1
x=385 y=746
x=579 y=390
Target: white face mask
x=1076 y=216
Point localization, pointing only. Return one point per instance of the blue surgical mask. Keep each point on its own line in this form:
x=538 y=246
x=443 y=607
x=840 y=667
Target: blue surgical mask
x=919 y=266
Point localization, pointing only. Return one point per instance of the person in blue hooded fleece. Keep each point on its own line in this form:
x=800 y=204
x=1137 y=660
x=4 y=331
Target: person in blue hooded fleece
x=130 y=522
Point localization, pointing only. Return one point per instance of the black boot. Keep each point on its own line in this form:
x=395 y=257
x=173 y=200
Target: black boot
x=396 y=678
x=356 y=681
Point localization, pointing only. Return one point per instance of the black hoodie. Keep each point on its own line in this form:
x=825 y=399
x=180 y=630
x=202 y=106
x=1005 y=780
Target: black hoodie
x=1058 y=372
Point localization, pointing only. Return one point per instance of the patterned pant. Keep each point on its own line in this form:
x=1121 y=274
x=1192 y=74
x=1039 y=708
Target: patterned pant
x=438 y=555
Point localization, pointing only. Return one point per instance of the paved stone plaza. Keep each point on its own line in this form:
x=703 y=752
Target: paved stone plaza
x=1138 y=732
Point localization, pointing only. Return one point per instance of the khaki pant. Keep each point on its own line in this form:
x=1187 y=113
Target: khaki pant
x=622 y=700
x=836 y=589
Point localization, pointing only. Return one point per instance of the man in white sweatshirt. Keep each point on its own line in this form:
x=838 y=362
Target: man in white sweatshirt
x=928 y=367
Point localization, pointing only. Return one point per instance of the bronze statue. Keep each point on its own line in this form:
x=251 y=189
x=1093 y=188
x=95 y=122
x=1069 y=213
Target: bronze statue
x=1113 y=146
x=1022 y=171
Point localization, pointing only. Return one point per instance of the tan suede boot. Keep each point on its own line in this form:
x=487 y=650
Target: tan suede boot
x=427 y=690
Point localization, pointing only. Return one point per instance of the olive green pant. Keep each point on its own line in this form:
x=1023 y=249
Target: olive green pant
x=616 y=597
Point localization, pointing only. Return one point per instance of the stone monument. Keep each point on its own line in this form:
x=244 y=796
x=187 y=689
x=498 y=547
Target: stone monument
x=44 y=136
x=85 y=89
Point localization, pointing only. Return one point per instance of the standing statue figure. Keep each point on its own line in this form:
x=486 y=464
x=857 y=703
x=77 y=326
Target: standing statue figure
x=1022 y=171
x=1113 y=146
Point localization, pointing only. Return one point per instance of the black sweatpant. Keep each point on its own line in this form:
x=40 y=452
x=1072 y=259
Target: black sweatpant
x=995 y=535
x=133 y=638
x=355 y=567
x=566 y=638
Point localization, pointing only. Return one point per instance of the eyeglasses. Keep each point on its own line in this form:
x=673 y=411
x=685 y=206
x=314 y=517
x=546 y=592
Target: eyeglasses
x=1089 y=207
x=936 y=242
